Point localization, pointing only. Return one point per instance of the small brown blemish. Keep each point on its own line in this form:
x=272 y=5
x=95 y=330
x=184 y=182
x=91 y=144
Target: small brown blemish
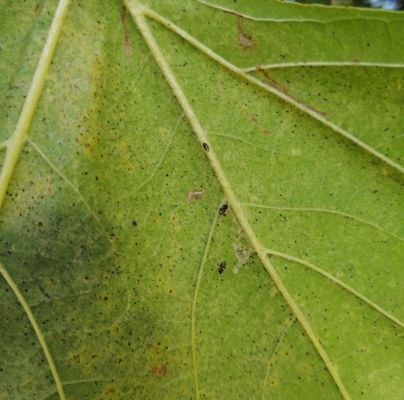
x=128 y=44
x=196 y=195
x=49 y=186
x=254 y=119
x=244 y=39
x=206 y=146
x=162 y=371
x=38 y=8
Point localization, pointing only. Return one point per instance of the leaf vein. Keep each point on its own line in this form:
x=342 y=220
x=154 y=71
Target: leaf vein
x=325 y=211
x=297 y=64
x=273 y=354
x=337 y=281
x=162 y=158
x=41 y=338
x=288 y=20
x=18 y=138
x=195 y=300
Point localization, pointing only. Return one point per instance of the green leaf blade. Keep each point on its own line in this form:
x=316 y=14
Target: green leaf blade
x=142 y=288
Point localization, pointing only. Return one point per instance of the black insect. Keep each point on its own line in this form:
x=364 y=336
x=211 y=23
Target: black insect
x=223 y=209
x=206 y=146
x=222 y=267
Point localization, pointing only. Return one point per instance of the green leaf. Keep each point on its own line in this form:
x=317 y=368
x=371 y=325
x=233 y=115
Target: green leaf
x=201 y=199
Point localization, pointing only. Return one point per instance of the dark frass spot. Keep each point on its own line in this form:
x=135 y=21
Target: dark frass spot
x=222 y=267
x=134 y=223
x=206 y=146
x=223 y=209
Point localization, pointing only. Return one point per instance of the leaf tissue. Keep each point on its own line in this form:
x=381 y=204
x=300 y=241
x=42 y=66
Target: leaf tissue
x=201 y=199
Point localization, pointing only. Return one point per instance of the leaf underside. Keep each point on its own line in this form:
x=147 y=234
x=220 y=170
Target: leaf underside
x=217 y=216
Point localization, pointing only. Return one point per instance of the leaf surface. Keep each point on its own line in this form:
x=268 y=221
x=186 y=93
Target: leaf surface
x=201 y=199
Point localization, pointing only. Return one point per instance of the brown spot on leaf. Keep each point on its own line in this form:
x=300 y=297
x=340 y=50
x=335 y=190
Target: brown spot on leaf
x=254 y=119
x=49 y=185
x=159 y=371
x=38 y=8
x=128 y=44
x=245 y=40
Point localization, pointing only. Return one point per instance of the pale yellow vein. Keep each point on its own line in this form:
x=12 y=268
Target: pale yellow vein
x=293 y=20
x=387 y=142
x=332 y=278
x=226 y=136
x=162 y=158
x=279 y=342
x=14 y=147
x=18 y=138
x=325 y=211
x=195 y=300
x=322 y=64
x=91 y=212
x=37 y=330
x=140 y=73
x=75 y=189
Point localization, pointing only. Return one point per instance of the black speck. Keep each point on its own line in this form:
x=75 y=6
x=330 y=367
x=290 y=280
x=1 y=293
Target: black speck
x=223 y=209
x=134 y=223
x=206 y=146
x=222 y=267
